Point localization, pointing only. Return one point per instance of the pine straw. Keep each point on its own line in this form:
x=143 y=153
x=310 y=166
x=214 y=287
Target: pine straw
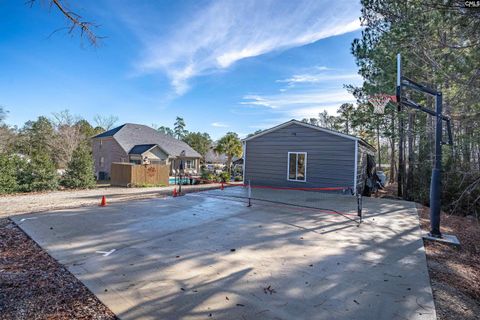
x=454 y=272
x=35 y=286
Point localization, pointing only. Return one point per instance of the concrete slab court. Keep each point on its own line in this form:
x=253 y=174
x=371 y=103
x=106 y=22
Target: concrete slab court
x=205 y=256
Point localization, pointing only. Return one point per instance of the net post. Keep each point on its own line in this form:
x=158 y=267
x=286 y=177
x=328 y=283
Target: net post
x=359 y=206
x=249 y=194
x=180 y=185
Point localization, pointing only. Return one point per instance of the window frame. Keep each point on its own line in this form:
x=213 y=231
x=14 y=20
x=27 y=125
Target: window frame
x=191 y=164
x=296 y=166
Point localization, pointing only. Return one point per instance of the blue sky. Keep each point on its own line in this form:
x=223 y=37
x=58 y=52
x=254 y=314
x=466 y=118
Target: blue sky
x=222 y=65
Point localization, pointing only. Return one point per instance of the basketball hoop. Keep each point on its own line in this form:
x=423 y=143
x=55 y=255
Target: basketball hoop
x=380 y=101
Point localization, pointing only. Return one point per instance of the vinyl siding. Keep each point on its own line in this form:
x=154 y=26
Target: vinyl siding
x=156 y=154
x=330 y=158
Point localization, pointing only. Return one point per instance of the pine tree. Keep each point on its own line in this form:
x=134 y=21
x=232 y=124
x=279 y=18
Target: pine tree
x=166 y=130
x=40 y=174
x=200 y=142
x=79 y=173
x=179 y=128
x=8 y=180
x=440 y=49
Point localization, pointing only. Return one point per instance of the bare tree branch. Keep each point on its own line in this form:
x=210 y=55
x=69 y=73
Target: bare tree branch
x=105 y=122
x=76 y=22
x=68 y=136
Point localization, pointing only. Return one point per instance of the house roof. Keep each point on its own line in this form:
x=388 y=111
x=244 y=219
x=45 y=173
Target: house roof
x=212 y=157
x=141 y=148
x=293 y=121
x=109 y=133
x=130 y=135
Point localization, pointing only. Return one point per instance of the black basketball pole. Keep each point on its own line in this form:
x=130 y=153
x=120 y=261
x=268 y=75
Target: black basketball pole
x=435 y=183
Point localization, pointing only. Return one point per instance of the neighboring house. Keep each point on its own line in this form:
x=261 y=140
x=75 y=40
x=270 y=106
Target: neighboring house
x=238 y=165
x=216 y=162
x=215 y=158
x=296 y=154
x=139 y=144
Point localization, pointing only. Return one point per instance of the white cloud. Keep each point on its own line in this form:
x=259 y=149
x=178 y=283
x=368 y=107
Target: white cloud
x=300 y=98
x=220 y=125
x=308 y=93
x=317 y=75
x=320 y=77
x=269 y=124
x=224 y=32
x=302 y=103
x=312 y=112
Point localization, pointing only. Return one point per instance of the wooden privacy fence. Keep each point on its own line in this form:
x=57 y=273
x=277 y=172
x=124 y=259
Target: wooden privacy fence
x=129 y=174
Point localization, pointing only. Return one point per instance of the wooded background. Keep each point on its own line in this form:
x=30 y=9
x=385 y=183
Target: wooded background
x=440 y=46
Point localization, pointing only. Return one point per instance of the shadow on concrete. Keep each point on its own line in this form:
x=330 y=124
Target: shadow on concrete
x=174 y=260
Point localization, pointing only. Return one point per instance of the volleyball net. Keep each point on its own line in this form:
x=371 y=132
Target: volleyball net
x=341 y=201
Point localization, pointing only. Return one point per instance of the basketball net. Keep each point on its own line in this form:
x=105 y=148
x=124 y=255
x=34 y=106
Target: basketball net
x=380 y=101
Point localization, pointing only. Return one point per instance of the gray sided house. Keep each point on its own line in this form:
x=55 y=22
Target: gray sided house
x=296 y=154
x=139 y=144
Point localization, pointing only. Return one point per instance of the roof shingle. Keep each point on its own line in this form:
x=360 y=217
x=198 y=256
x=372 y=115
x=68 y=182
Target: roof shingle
x=141 y=148
x=129 y=135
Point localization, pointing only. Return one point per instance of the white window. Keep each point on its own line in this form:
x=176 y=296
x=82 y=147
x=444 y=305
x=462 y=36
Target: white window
x=297 y=166
x=189 y=164
x=102 y=162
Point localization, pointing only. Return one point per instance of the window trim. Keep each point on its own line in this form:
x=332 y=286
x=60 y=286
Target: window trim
x=192 y=164
x=296 y=166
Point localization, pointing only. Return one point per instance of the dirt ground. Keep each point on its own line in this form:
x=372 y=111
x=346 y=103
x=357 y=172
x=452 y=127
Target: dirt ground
x=35 y=286
x=454 y=272
x=46 y=201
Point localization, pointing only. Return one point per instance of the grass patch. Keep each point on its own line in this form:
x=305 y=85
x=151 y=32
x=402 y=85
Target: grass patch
x=148 y=185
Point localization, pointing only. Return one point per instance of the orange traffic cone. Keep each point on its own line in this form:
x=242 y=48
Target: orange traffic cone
x=175 y=192
x=221 y=187
x=103 y=203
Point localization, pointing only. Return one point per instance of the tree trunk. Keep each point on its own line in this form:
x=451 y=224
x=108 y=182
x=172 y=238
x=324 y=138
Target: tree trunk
x=401 y=156
x=393 y=171
x=393 y=167
x=378 y=146
x=229 y=163
x=466 y=146
x=409 y=185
